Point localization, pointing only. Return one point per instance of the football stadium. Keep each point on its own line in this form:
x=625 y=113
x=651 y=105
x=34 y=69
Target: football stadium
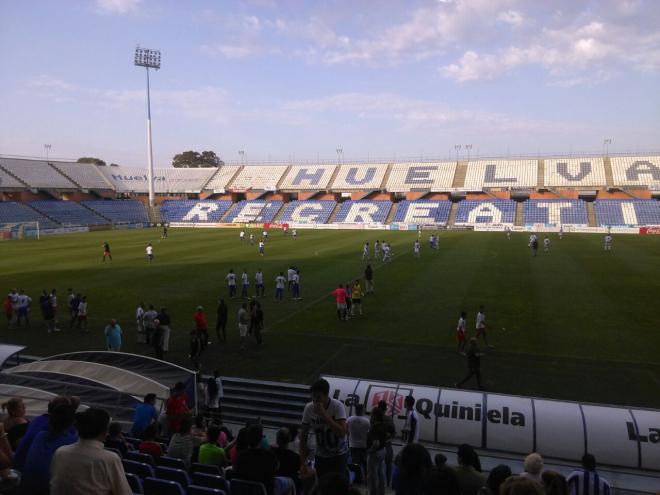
x=468 y=323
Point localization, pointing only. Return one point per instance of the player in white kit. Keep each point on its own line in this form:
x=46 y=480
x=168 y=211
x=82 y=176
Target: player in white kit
x=365 y=252
x=607 y=242
x=546 y=245
x=417 y=248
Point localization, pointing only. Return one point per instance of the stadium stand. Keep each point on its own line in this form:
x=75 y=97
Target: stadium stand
x=426 y=176
x=12 y=212
x=68 y=212
x=37 y=174
x=423 y=211
x=359 y=177
x=614 y=212
x=221 y=178
x=85 y=175
x=636 y=171
x=501 y=173
x=555 y=212
x=193 y=211
x=310 y=211
x=254 y=211
x=166 y=180
x=575 y=172
x=119 y=210
x=363 y=211
x=259 y=177
x=470 y=212
x=9 y=182
x=308 y=177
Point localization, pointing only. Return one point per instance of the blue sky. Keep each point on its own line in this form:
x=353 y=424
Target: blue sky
x=297 y=79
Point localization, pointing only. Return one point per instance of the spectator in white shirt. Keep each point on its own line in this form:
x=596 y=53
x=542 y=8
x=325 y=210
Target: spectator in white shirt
x=358 y=428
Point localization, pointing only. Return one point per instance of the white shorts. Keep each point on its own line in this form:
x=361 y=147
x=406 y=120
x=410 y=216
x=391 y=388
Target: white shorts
x=242 y=330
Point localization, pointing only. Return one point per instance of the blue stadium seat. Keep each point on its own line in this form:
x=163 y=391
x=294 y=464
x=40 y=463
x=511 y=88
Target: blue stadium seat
x=172 y=474
x=555 y=212
x=170 y=462
x=140 y=469
x=124 y=210
x=197 y=467
x=68 y=213
x=310 y=211
x=116 y=451
x=134 y=442
x=363 y=211
x=210 y=481
x=471 y=211
x=423 y=211
x=633 y=212
x=259 y=211
x=243 y=487
x=203 y=490
x=193 y=211
x=135 y=483
x=155 y=486
x=12 y=212
x=140 y=457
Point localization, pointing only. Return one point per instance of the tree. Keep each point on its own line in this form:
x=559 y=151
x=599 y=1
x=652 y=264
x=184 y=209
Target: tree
x=92 y=160
x=194 y=159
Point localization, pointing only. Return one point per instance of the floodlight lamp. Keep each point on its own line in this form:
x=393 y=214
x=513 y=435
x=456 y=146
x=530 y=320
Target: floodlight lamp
x=145 y=57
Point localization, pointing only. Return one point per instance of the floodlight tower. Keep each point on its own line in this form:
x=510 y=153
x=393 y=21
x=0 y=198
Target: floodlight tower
x=149 y=59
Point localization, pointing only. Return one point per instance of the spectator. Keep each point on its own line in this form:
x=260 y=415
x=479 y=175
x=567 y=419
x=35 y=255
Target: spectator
x=586 y=481
x=474 y=364
x=9 y=478
x=36 y=470
x=442 y=480
x=439 y=460
x=81 y=319
x=85 y=467
x=221 y=321
x=198 y=430
x=24 y=302
x=9 y=310
x=39 y=424
x=518 y=485
x=202 y=326
x=195 y=348
x=176 y=408
x=139 y=320
x=288 y=461
x=260 y=465
x=533 y=467
x=358 y=429
x=158 y=339
x=468 y=471
x=376 y=439
x=369 y=280
x=116 y=439
x=149 y=445
x=414 y=466
x=149 y=326
x=47 y=311
x=389 y=451
x=258 y=319
x=239 y=446
x=214 y=393
x=16 y=424
x=165 y=326
x=554 y=483
x=113 y=336
x=410 y=431
x=326 y=419
x=209 y=452
x=145 y=415
x=495 y=479
x=182 y=443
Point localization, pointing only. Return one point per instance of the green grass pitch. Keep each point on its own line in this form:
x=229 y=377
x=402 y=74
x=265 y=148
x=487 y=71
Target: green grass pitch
x=579 y=323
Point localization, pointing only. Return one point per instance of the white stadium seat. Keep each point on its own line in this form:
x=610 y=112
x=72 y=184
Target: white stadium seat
x=166 y=180
x=260 y=177
x=427 y=176
x=37 y=174
x=9 y=182
x=308 y=177
x=575 y=172
x=221 y=178
x=359 y=177
x=86 y=175
x=501 y=173
x=636 y=171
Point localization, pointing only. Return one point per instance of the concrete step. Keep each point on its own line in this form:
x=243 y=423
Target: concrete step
x=519 y=214
x=459 y=175
x=591 y=214
x=452 y=214
x=609 y=177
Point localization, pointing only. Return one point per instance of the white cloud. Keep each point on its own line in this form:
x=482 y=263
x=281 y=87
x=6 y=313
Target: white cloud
x=231 y=51
x=48 y=82
x=117 y=6
x=511 y=17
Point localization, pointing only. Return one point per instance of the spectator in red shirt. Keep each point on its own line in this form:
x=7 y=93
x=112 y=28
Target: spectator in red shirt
x=202 y=326
x=340 y=297
x=177 y=407
x=149 y=445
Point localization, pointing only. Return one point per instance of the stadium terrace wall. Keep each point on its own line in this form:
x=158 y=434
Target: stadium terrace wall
x=616 y=436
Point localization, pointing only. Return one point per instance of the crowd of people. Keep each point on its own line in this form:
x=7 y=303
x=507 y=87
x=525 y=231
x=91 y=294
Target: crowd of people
x=17 y=306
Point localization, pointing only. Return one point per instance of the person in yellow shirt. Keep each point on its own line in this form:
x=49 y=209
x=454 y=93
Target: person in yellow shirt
x=356 y=296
